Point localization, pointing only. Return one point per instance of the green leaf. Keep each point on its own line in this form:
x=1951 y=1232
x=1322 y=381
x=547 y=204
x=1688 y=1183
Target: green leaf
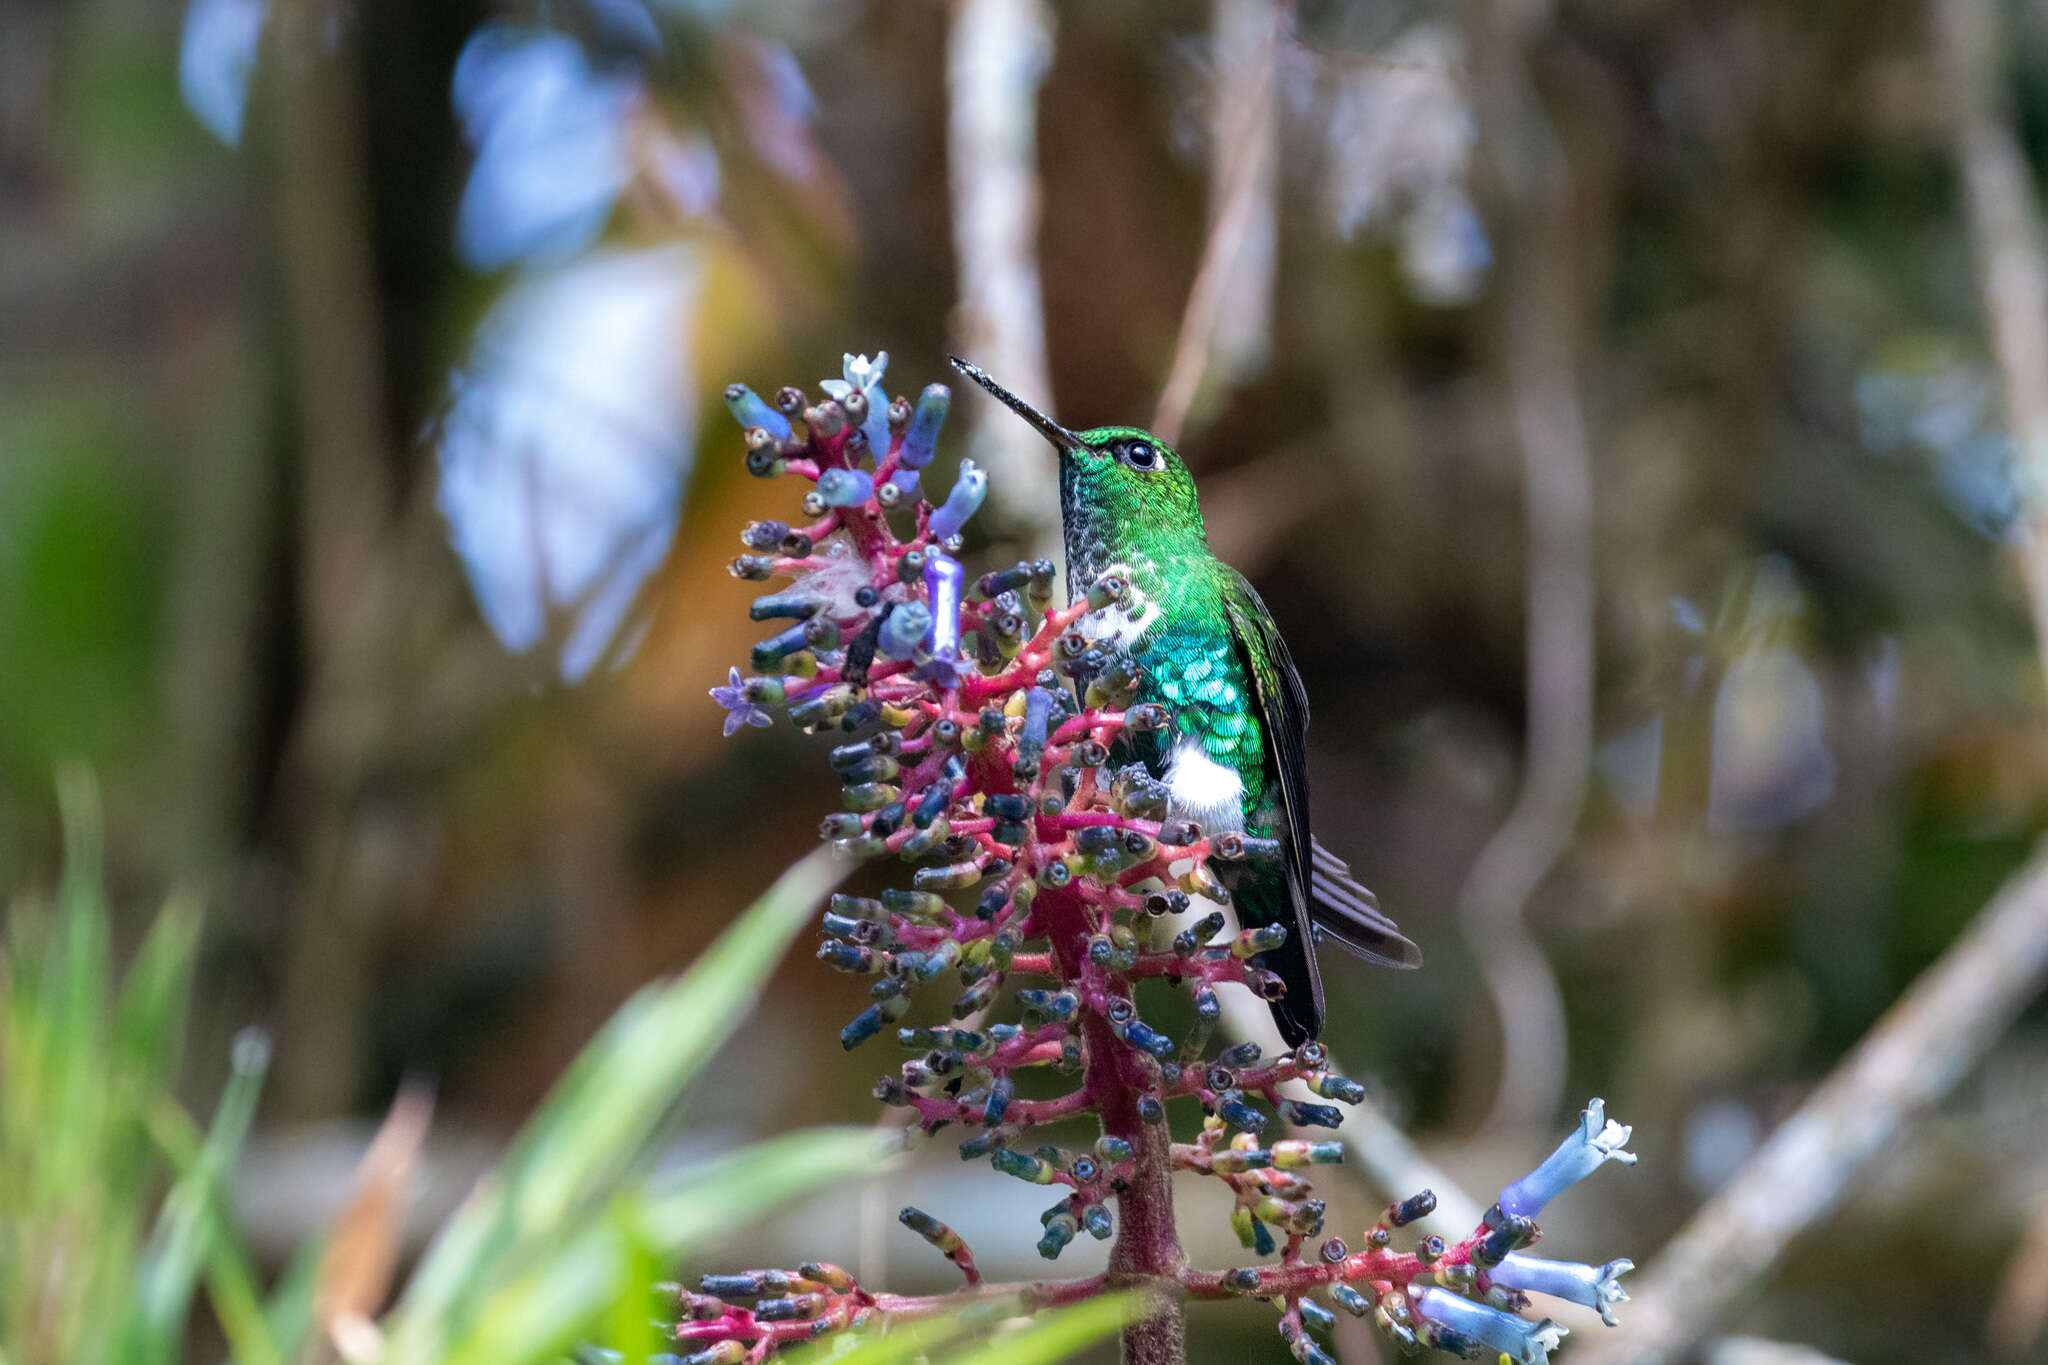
x=73 y=1007
x=288 y=1316
x=615 y=1094
x=582 y=1145
x=1061 y=1332
x=685 y=1210
x=231 y=1277
x=149 y=1022
x=181 y=1245
x=908 y=1341
x=543 y=1312
x=1054 y=1334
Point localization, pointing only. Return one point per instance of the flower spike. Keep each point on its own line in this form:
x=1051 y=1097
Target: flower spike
x=985 y=742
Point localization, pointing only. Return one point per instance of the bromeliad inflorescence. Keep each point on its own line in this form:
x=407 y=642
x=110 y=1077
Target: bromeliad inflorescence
x=985 y=736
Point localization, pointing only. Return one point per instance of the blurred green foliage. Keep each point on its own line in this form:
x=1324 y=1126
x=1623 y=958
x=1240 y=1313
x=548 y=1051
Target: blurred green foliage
x=114 y=1212
x=80 y=602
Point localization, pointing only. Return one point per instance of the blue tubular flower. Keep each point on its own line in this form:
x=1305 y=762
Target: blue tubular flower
x=963 y=502
x=739 y=709
x=1597 y=1141
x=1522 y=1341
x=749 y=409
x=864 y=377
x=943 y=579
x=846 y=487
x=1592 y=1286
x=905 y=629
x=923 y=437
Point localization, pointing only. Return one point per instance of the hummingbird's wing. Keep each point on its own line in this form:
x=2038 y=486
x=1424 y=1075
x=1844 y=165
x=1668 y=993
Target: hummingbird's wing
x=1268 y=895
x=1332 y=903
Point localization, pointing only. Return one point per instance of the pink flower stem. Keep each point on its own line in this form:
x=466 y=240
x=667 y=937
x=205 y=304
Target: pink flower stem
x=1148 y=1248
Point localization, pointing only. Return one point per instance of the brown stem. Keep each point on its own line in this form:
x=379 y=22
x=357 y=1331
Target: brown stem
x=1147 y=1249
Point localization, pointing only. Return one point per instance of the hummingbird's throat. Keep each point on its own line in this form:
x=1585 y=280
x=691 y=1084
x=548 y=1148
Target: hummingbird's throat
x=1098 y=540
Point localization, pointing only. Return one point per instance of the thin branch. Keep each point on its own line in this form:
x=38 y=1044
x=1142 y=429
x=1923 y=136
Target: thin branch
x=1758 y=1351
x=997 y=54
x=1374 y=1148
x=1245 y=42
x=2005 y=240
x=1246 y=184
x=1923 y=1046
x=1550 y=428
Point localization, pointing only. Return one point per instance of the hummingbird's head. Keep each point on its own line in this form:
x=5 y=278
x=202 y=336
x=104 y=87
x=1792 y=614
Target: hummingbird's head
x=1125 y=473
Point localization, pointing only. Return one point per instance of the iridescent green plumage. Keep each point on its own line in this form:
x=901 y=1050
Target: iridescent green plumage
x=1235 y=758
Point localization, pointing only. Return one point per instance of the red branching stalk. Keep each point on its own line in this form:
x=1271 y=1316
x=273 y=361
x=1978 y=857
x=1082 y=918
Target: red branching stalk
x=991 y=744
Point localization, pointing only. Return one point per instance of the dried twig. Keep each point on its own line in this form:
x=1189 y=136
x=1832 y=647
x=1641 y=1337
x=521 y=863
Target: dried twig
x=354 y=1274
x=1925 y=1043
x=1245 y=187
x=1377 y=1150
x=2005 y=239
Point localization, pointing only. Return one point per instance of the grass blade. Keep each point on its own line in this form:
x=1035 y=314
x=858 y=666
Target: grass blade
x=1059 y=1333
x=599 y=1120
x=181 y=1243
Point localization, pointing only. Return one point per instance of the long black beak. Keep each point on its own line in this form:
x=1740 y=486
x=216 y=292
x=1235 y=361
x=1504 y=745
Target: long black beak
x=1051 y=430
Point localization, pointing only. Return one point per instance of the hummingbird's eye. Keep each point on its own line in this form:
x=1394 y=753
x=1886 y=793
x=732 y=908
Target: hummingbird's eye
x=1140 y=454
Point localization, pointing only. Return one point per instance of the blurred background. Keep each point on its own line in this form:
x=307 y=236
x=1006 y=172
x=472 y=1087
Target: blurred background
x=1600 y=393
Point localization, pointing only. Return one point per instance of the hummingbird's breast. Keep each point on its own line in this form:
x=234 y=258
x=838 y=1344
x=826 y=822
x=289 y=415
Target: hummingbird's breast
x=1213 y=761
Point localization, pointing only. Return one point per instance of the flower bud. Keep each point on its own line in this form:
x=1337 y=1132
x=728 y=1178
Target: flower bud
x=1059 y=1230
x=869 y=796
x=904 y=629
x=750 y=410
x=921 y=436
x=1200 y=932
x=1232 y=1109
x=1263 y=938
x=963 y=502
x=1350 y=1300
x=845 y=487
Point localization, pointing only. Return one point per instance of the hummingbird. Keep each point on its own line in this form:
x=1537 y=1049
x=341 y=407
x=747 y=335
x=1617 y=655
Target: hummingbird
x=1235 y=757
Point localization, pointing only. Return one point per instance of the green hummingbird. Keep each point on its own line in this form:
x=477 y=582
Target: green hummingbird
x=1236 y=757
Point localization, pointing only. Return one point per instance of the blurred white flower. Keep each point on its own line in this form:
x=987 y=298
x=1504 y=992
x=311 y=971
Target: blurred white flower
x=566 y=445
x=1771 y=762
x=551 y=138
x=216 y=57
x=1632 y=763
x=1400 y=135
x=1929 y=401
